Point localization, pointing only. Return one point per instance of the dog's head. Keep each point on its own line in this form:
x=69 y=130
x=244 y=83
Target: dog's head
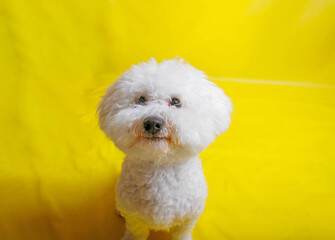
x=167 y=109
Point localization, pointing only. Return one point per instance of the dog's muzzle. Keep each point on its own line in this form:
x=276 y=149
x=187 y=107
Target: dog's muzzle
x=153 y=125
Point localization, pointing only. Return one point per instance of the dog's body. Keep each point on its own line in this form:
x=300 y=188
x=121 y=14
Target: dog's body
x=165 y=195
x=162 y=116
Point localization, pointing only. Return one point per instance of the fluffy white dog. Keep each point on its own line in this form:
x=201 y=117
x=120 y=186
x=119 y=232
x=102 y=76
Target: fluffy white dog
x=162 y=116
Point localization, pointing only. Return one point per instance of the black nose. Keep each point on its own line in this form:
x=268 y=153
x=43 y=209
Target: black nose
x=153 y=125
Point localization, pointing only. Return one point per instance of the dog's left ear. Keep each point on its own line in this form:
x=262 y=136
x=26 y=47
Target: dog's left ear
x=221 y=108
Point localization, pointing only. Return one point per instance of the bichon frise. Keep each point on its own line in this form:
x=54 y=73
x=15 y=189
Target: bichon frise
x=162 y=116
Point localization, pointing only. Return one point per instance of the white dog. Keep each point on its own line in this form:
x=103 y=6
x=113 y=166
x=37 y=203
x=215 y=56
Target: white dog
x=162 y=116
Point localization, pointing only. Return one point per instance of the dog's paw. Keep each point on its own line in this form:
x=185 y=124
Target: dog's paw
x=117 y=212
x=182 y=237
x=185 y=238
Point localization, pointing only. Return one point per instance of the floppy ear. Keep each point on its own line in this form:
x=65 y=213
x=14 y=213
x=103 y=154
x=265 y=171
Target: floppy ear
x=221 y=108
x=107 y=106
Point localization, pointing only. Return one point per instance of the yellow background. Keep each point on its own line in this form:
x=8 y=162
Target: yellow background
x=271 y=176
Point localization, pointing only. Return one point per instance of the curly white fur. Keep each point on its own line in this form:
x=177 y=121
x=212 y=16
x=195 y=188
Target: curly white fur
x=162 y=185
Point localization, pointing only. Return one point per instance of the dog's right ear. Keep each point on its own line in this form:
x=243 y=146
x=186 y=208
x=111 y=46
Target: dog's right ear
x=107 y=106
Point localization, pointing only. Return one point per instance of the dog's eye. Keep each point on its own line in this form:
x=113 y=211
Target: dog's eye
x=141 y=100
x=175 y=102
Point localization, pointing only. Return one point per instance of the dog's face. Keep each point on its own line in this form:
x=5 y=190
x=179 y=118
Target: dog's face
x=167 y=109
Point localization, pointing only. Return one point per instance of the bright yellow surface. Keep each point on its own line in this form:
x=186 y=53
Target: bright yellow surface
x=271 y=176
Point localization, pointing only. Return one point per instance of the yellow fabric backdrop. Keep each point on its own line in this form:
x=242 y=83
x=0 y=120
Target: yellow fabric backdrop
x=271 y=176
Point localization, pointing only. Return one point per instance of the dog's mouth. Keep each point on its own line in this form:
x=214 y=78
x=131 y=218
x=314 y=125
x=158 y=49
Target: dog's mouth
x=164 y=139
x=153 y=138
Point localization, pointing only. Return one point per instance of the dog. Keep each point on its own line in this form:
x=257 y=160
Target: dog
x=162 y=115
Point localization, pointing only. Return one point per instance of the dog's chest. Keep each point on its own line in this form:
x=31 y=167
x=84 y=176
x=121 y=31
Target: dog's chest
x=164 y=194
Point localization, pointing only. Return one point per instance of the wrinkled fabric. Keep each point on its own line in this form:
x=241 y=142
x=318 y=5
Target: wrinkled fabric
x=270 y=176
